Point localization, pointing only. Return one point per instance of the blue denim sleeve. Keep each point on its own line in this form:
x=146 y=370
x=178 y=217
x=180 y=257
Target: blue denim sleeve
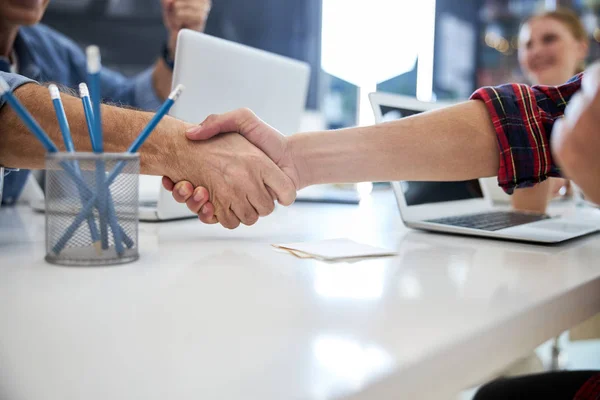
x=14 y=81
x=136 y=91
x=61 y=60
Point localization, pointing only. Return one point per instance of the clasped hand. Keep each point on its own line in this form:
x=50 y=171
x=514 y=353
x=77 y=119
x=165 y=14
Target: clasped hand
x=254 y=176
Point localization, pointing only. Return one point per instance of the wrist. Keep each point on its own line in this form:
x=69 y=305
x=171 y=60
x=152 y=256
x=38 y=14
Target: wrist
x=168 y=55
x=159 y=153
x=298 y=151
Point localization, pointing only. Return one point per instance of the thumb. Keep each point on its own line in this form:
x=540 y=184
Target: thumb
x=233 y=121
x=247 y=124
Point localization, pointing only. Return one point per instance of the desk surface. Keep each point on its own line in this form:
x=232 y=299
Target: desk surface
x=216 y=314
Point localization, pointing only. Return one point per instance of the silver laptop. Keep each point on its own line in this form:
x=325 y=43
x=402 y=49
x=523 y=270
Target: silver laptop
x=465 y=207
x=221 y=76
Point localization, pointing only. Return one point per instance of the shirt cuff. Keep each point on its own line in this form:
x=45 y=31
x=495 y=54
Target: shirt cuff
x=14 y=81
x=146 y=97
x=523 y=132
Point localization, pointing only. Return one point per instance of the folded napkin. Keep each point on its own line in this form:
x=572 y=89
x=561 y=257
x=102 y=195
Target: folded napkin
x=334 y=250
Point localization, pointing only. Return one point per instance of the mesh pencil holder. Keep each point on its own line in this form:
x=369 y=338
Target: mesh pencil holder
x=92 y=206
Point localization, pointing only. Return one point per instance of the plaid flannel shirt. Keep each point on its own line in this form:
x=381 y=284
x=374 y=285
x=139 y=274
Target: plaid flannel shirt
x=523 y=118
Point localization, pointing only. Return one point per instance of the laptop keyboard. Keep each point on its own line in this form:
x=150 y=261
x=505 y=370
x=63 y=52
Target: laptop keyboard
x=492 y=221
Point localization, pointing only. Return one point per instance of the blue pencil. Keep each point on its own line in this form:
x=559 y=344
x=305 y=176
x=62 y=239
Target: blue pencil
x=137 y=143
x=118 y=232
x=160 y=114
x=94 y=65
x=93 y=68
x=84 y=93
x=66 y=132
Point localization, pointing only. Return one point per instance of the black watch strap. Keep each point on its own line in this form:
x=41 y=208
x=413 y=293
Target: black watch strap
x=167 y=57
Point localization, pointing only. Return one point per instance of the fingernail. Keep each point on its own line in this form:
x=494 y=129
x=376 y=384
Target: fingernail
x=194 y=129
x=204 y=210
x=183 y=191
x=199 y=196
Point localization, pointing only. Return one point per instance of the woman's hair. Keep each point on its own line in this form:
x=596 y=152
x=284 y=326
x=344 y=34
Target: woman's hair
x=569 y=19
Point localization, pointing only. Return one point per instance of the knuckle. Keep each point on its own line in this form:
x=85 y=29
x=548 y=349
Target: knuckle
x=269 y=207
x=246 y=112
x=233 y=225
x=246 y=116
x=205 y=219
x=249 y=216
x=252 y=220
x=193 y=207
x=289 y=196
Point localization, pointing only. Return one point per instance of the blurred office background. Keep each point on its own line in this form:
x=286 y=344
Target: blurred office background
x=432 y=49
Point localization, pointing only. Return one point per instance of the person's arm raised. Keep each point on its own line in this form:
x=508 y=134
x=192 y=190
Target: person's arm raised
x=177 y=15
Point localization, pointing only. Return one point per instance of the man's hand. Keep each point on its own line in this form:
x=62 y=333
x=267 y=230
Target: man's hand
x=264 y=137
x=180 y=14
x=576 y=138
x=177 y=14
x=241 y=180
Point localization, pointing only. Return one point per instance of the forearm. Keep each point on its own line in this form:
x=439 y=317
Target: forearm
x=454 y=143
x=162 y=79
x=533 y=199
x=20 y=149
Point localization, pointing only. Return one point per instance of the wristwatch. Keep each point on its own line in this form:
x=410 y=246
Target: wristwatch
x=166 y=56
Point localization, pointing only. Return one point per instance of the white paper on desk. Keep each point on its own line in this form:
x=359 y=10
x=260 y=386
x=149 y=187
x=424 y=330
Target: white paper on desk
x=334 y=249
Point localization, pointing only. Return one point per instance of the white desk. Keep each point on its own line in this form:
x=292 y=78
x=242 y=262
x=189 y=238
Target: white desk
x=212 y=314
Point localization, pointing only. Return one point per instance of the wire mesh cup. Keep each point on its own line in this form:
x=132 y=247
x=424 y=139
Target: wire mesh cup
x=92 y=208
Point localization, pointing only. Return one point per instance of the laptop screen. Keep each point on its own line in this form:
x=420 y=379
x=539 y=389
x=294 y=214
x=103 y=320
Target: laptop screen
x=417 y=193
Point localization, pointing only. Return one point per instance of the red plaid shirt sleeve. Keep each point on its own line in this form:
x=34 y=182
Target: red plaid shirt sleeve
x=523 y=118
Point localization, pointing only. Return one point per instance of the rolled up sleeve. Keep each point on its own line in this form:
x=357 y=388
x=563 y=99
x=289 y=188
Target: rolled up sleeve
x=523 y=119
x=14 y=81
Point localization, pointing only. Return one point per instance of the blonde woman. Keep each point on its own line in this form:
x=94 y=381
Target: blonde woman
x=553 y=47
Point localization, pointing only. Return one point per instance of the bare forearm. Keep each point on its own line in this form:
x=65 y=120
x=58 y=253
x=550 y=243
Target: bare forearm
x=455 y=143
x=20 y=149
x=532 y=199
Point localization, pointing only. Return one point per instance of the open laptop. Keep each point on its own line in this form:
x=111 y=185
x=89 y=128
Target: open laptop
x=221 y=76
x=465 y=207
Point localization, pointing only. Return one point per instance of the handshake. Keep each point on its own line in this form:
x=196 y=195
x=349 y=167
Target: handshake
x=233 y=167
x=249 y=166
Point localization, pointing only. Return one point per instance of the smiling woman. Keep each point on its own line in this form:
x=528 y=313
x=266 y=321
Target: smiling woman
x=552 y=47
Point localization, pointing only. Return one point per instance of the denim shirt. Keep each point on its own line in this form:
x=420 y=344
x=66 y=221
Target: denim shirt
x=45 y=55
